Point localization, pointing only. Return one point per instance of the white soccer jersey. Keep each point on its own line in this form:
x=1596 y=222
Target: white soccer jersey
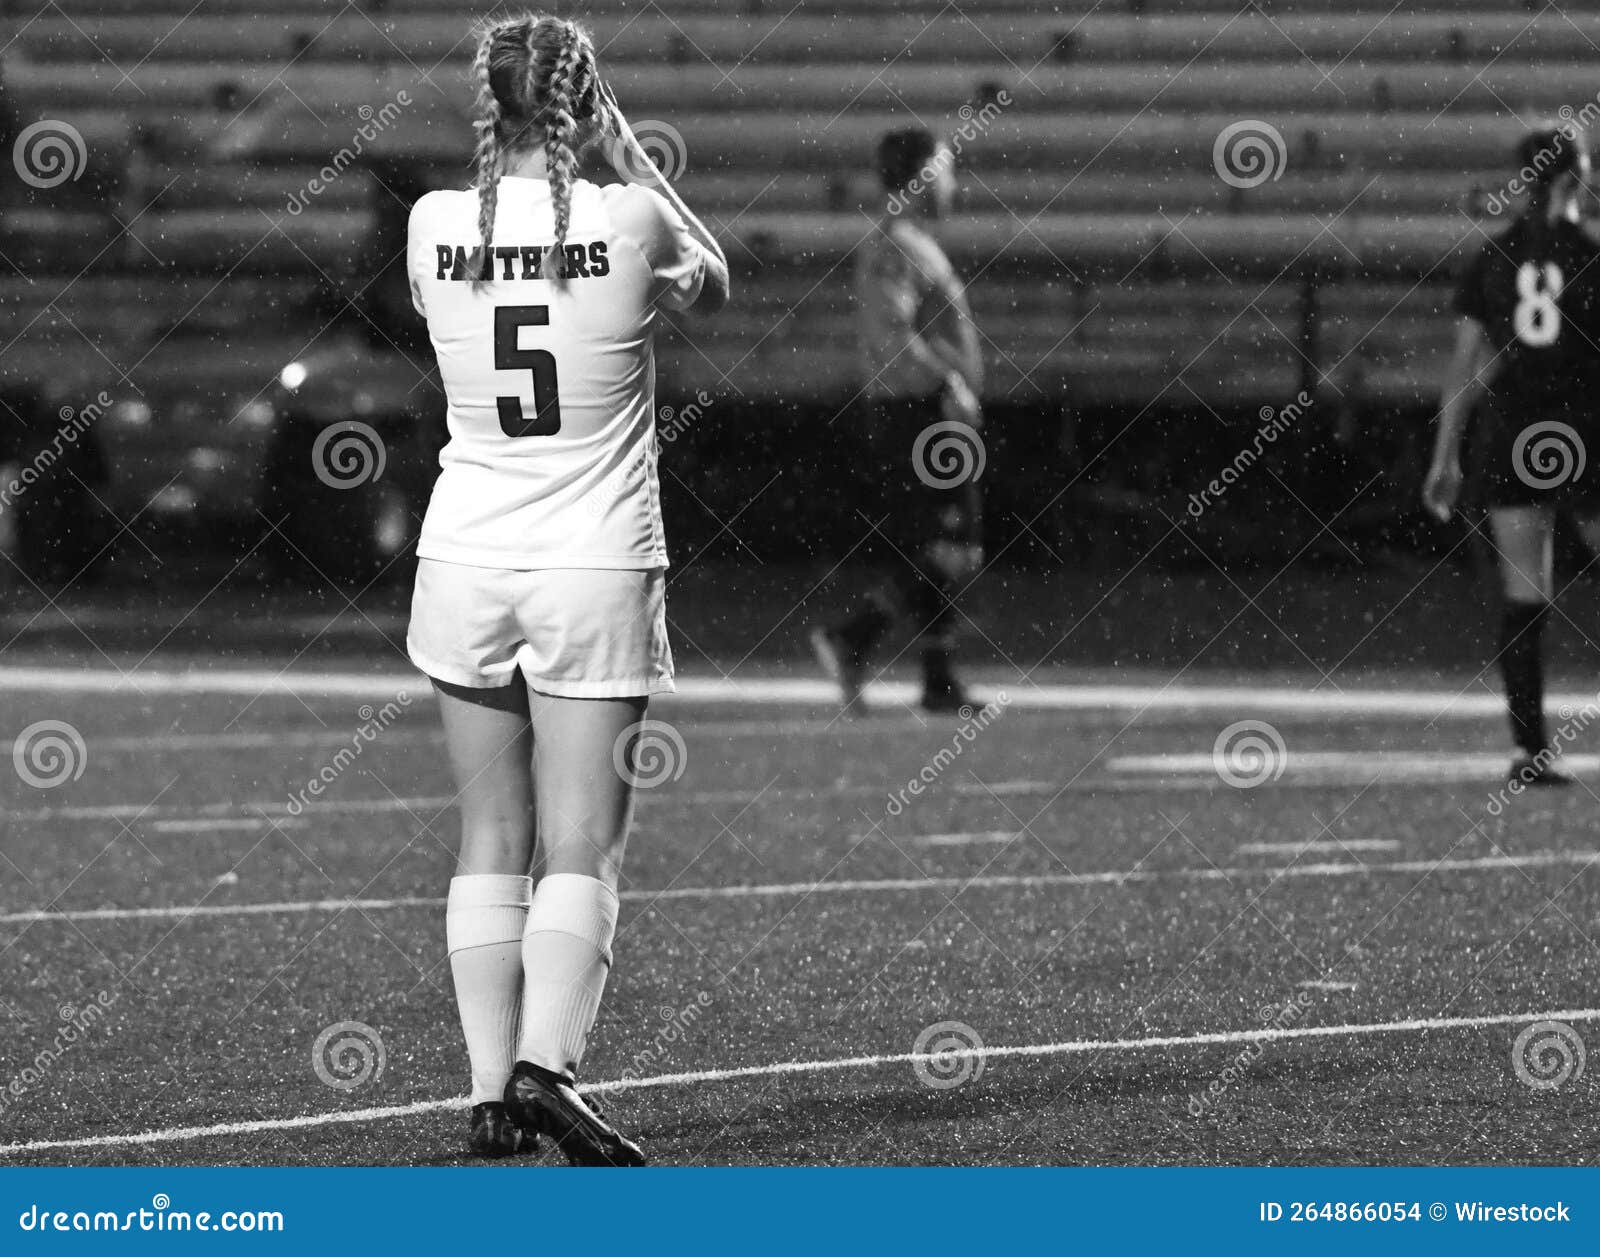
x=551 y=386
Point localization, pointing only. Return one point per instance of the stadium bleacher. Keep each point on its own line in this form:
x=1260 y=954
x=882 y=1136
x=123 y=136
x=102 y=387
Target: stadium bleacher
x=1109 y=259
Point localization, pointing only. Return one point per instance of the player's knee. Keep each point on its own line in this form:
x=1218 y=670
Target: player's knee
x=588 y=850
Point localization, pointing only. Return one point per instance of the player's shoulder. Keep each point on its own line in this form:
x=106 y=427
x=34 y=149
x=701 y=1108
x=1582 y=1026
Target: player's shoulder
x=918 y=247
x=638 y=209
x=442 y=204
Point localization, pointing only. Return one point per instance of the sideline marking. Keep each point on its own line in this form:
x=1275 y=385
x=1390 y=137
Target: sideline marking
x=1072 y=1047
x=1434 y=704
x=1109 y=877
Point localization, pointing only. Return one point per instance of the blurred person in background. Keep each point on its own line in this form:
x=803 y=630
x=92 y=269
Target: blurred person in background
x=922 y=371
x=1526 y=359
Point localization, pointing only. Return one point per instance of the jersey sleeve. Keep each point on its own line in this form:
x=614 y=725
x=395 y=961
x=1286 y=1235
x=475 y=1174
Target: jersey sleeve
x=676 y=259
x=1470 y=299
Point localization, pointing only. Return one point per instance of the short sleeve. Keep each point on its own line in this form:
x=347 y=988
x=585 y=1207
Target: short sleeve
x=676 y=260
x=1470 y=299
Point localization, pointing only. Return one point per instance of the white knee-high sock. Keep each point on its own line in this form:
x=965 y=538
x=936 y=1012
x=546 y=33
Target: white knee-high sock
x=566 y=955
x=484 y=921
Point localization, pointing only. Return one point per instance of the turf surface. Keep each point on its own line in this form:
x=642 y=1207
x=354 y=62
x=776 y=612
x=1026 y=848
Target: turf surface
x=809 y=916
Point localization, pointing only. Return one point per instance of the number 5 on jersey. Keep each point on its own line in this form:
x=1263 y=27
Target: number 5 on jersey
x=1537 y=318
x=510 y=356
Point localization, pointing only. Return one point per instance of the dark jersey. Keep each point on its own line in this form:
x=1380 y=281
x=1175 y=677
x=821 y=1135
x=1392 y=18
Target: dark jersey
x=1535 y=290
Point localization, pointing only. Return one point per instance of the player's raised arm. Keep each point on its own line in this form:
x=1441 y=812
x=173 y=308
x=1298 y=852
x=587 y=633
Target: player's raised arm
x=634 y=165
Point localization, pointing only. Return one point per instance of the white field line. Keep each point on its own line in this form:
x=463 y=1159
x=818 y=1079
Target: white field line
x=1329 y=846
x=1432 y=704
x=1406 y=765
x=977 y=838
x=1070 y=1047
x=210 y=825
x=1109 y=877
x=428 y=803
x=220 y=743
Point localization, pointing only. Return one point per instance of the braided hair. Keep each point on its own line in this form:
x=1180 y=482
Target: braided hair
x=536 y=80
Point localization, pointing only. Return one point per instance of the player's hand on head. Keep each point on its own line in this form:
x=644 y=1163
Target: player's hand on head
x=960 y=404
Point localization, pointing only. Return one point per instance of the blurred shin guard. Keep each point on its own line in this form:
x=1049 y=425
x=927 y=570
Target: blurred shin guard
x=1522 y=668
x=566 y=955
x=484 y=921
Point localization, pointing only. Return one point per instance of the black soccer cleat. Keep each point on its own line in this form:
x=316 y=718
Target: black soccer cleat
x=1533 y=771
x=543 y=1101
x=491 y=1132
x=841 y=662
x=944 y=696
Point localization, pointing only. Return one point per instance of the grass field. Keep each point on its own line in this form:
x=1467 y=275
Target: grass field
x=1328 y=961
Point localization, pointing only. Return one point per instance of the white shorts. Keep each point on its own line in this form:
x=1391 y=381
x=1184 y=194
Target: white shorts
x=574 y=632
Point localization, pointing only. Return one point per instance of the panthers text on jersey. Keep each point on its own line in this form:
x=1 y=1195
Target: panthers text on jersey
x=550 y=385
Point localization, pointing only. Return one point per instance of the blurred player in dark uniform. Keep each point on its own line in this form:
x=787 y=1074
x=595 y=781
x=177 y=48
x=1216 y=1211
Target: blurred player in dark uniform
x=1527 y=357
x=923 y=373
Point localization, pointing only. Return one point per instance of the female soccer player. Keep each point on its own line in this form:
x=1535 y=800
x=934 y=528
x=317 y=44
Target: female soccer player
x=538 y=611
x=1528 y=348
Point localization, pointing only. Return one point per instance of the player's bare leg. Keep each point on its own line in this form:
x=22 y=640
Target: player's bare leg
x=490 y=746
x=585 y=806
x=1523 y=541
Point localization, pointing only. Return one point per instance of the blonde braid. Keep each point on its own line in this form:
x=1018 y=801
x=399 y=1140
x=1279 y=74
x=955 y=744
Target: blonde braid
x=488 y=158
x=561 y=132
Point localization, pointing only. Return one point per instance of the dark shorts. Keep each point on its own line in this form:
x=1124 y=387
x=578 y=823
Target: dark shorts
x=1538 y=456
x=923 y=475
